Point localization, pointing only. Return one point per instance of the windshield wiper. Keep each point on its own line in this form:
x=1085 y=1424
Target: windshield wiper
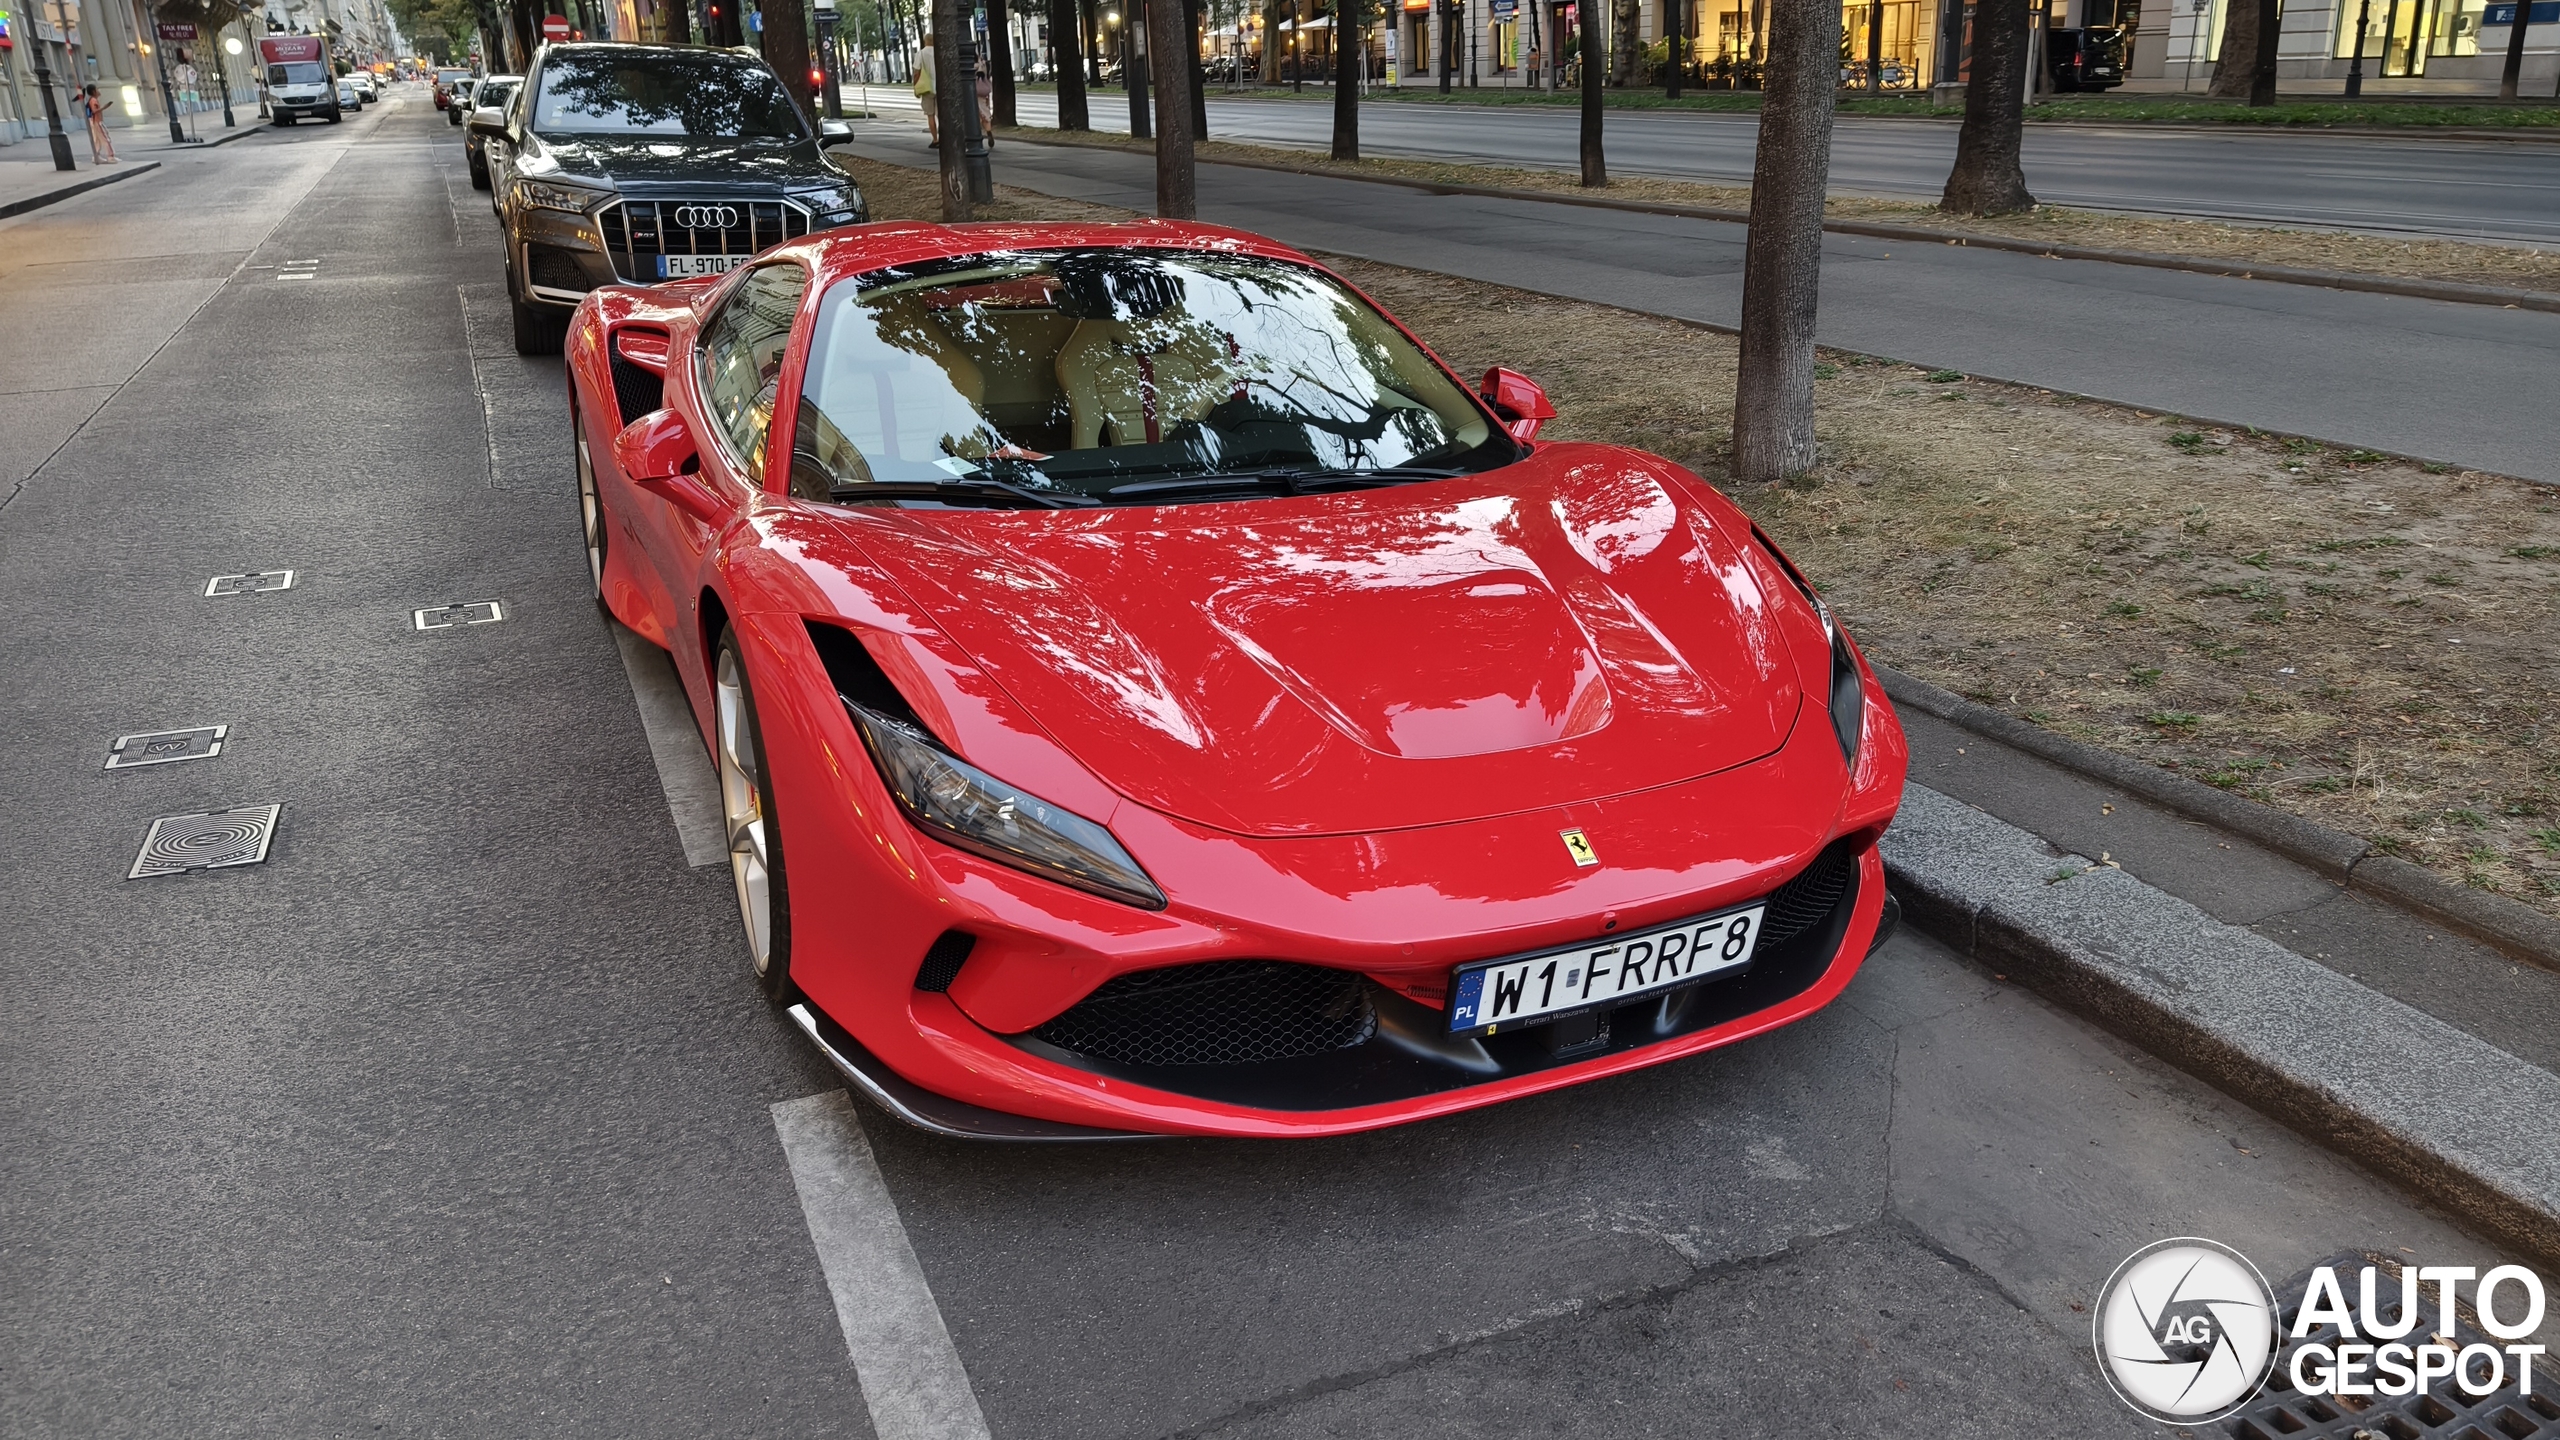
x=994 y=492
x=1282 y=480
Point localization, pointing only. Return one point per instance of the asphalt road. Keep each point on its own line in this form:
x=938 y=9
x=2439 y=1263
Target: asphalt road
x=455 y=1116
x=2506 y=190
x=2459 y=384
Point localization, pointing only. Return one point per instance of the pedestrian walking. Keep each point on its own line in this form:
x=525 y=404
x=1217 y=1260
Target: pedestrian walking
x=924 y=95
x=102 y=151
x=986 y=88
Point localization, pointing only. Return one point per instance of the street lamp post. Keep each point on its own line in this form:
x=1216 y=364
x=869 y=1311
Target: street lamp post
x=52 y=108
x=222 y=74
x=2355 y=66
x=160 y=60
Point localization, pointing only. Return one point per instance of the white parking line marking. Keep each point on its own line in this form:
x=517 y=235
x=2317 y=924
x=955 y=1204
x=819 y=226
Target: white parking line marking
x=684 y=767
x=902 y=1353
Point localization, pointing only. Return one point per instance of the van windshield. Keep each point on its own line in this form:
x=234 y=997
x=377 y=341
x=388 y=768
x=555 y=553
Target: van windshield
x=298 y=72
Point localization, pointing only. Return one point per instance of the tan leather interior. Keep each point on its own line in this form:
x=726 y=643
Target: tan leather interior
x=1131 y=382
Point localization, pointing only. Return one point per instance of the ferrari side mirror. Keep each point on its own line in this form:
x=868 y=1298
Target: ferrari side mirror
x=657 y=446
x=1517 y=400
x=658 y=452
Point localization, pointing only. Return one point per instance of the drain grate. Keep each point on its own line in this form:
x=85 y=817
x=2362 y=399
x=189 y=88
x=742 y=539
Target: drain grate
x=467 y=612
x=207 y=841
x=162 y=747
x=250 y=583
x=2446 y=1412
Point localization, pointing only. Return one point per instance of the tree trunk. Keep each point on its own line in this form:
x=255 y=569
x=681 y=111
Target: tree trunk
x=2262 y=80
x=1171 y=61
x=1199 y=82
x=951 y=90
x=1987 y=178
x=2237 y=71
x=1675 y=47
x=2513 y=73
x=1595 y=164
x=1782 y=257
x=786 y=49
x=1000 y=66
x=1066 y=63
x=1626 y=33
x=1273 y=13
x=1347 y=55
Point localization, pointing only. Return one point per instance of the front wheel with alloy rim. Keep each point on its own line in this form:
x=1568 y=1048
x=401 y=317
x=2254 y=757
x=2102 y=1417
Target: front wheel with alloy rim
x=590 y=504
x=747 y=817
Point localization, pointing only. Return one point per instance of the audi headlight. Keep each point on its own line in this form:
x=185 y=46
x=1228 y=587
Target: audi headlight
x=543 y=195
x=961 y=804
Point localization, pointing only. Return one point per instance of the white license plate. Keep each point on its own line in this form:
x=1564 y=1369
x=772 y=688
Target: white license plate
x=1496 y=995
x=679 y=267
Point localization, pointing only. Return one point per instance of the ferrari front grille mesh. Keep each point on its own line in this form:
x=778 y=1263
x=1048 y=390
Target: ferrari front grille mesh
x=1808 y=899
x=637 y=232
x=1225 y=1012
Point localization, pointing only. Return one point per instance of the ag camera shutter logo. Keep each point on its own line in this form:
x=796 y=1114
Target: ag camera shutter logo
x=2186 y=1330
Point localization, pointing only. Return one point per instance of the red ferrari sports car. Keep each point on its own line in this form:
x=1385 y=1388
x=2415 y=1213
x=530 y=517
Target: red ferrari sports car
x=1152 y=695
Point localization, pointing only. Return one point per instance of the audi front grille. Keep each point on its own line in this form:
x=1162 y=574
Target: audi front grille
x=637 y=232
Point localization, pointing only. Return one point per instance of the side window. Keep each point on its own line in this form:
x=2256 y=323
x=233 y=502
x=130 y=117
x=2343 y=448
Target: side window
x=742 y=357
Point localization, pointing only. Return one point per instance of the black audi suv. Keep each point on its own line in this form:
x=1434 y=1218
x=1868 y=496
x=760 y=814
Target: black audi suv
x=646 y=163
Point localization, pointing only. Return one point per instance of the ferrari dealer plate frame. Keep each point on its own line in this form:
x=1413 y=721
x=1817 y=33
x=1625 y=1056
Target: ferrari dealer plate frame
x=686 y=267
x=1487 y=997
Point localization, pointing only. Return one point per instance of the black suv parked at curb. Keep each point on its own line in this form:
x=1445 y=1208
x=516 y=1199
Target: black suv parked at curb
x=643 y=163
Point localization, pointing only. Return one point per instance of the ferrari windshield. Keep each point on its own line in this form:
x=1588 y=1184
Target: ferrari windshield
x=1120 y=375
x=632 y=90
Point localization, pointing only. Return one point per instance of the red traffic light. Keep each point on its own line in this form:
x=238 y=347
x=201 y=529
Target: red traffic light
x=817 y=76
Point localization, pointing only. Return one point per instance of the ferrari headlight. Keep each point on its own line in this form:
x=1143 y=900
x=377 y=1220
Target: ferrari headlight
x=543 y=195
x=1848 y=688
x=966 y=806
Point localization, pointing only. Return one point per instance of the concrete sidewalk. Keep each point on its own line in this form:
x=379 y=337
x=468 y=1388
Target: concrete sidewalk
x=29 y=181
x=2232 y=352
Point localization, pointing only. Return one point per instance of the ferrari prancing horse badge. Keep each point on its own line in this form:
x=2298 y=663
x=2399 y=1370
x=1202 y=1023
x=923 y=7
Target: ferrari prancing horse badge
x=1578 y=846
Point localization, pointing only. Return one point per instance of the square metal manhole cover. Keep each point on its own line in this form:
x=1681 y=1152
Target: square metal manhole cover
x=161 y=747
x=468 y=612
x=250 y=583
x=207 y=841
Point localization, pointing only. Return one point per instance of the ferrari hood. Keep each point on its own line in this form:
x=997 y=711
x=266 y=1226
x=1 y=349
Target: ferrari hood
x=1561 y=630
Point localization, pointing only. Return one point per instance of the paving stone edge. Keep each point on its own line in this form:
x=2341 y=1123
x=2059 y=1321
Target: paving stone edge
x=2503 y=296
x=2509 y=926
x=2441 y=1113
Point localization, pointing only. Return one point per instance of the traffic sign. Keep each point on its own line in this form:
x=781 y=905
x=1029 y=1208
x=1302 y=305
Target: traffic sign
x=555 y=27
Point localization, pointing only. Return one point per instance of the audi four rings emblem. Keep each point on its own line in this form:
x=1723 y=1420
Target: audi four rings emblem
x=707 y=217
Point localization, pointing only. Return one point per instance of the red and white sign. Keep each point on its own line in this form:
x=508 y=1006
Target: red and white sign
x=555 y=27
x=280 y=49
x=177 y=32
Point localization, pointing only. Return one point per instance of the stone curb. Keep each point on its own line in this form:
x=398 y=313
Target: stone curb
x=2505 y=297
x=243 y=133
x=2513 y=928
x=37 y=202
x=2462 y=1124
